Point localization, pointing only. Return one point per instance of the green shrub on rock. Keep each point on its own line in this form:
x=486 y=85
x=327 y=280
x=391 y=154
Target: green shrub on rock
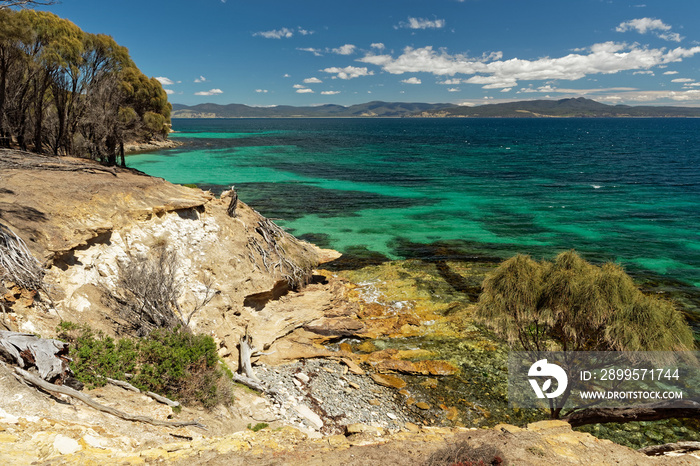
x=174 y=363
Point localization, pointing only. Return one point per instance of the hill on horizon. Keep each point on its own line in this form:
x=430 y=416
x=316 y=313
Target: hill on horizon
x=574 y=107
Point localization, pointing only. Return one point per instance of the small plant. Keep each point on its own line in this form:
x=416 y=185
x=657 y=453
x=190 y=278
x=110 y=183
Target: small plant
x=258 y=426
x=464 y=454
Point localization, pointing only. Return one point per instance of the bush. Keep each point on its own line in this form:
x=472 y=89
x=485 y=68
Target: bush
x=464 y=454
x=174 y=363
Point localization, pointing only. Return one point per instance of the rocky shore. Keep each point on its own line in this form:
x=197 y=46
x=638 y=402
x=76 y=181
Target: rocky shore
x=341 y=349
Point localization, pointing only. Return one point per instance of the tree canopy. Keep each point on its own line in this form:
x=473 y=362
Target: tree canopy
x=571 y=305
x=66 y=91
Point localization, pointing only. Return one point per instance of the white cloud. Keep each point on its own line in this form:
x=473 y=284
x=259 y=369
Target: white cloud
x=649 y=72
x=330 y=92
x=453 y=89
x=210 y=92
x=347 y=49
x=305 y=91
x=313 y=80
x=304 y=32
x=422 y=23
x=316 y=52
x=377 y=45
x=682 y=80
x=261 y=91
x=348 y=72
x=670 y=72
x=655 y=26
x=275 y=34
x=506 y=89
x=450 y=82
x=412 y=80
x=299 y=86
x=165 y=81
x=201 y=79
x=603 y=58
x=169 y=91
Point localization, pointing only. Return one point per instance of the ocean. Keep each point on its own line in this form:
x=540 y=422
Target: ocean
x=623 y=190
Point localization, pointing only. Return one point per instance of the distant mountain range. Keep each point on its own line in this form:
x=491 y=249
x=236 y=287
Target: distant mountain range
x=579 y=107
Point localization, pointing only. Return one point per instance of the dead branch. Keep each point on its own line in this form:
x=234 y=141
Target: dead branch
x=677 y=447
x=17 y=264
x=271 y=250
x=233 y=204
x=42 y=384
x=651 y=412
x=245 y=353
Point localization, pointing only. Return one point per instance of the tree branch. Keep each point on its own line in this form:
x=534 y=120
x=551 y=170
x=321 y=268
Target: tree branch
x=36 y=381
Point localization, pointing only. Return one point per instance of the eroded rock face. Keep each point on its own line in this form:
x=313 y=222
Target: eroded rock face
x=86 y=222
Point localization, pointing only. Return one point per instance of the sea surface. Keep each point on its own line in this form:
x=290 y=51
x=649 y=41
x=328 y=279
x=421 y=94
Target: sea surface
x=624 y=190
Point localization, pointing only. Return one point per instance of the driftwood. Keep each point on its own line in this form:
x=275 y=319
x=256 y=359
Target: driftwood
x=44 y=385
x=25 y=350
x=652 y=412
x=677 y=447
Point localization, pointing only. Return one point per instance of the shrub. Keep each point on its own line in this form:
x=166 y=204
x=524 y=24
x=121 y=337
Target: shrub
x=172 y=362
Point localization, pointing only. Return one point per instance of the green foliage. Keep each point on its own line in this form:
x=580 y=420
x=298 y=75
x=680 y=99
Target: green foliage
x=258 y=426
x=78 y=93
x=572 y=305
x=174 y=363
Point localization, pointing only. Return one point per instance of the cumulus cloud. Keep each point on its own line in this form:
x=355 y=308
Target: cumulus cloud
x=347 y=49
x=645 y=25
x=377 y=45
x=305 y=91
x=349 y=72
x=201 y=79
x=670 y=72
x=285 y=33
x=330 y=92
x=649 y=72
x=299 y=86
x=422 y=23
x=602 y=58
x=412 y=80
x=169 y=91
x=261 y=91
x=453 y=89
x=682 y=80
x=313 y=80
x=165 y=81
x=210 y=92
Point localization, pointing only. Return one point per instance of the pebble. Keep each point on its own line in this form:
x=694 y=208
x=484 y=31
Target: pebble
x=316 y=385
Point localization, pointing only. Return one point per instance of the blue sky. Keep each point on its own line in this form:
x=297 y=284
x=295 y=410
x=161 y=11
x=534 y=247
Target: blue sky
x=311 y=52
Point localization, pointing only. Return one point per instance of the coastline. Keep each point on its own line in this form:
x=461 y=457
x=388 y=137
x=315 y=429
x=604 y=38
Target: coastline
x=153 y=145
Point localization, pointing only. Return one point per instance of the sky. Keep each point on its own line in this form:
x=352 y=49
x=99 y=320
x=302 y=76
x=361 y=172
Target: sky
x=466 y=52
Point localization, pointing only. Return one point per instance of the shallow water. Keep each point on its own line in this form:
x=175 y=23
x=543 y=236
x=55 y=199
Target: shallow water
x=626 y=190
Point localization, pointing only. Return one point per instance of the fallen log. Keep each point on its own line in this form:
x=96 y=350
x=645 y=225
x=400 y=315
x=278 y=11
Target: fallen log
x=44 y=385
x=686 y=409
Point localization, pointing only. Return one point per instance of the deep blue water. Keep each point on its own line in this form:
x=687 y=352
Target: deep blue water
x=626 y=190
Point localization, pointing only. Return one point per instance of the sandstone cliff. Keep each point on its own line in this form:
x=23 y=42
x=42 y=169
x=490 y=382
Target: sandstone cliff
x=85 y=222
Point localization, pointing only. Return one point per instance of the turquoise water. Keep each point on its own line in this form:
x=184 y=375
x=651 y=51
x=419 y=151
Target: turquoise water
x=626 y=190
